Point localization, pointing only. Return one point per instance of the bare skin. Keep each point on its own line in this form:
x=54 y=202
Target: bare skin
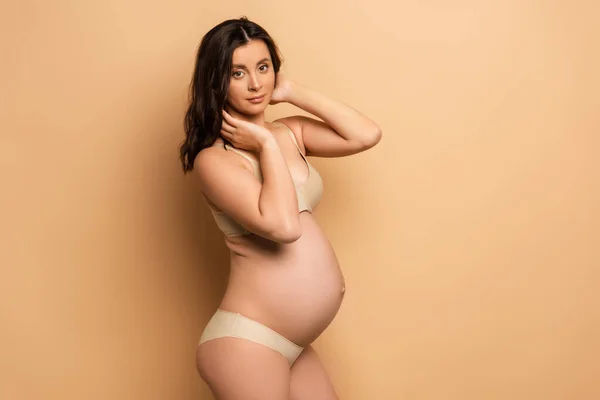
x=285 y=274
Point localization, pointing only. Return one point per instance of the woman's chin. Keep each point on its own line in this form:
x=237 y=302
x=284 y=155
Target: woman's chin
x=249 y=109
x=255 y=109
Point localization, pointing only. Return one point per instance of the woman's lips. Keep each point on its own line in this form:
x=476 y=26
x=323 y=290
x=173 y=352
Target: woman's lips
x=257 y=100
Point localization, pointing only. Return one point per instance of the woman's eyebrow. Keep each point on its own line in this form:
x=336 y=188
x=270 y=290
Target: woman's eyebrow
x=243 y=66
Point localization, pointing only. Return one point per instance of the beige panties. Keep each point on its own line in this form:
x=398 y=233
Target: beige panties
x=228 y=324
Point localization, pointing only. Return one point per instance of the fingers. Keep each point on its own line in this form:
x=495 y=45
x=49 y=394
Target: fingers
x=227 y=135
x=228 y=118
x=227 y=127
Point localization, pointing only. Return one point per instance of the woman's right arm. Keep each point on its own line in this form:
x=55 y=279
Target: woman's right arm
x=269 y=209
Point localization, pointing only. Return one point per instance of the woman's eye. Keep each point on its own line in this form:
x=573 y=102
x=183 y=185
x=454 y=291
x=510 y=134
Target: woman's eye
x=264 y=67
x=237 y=74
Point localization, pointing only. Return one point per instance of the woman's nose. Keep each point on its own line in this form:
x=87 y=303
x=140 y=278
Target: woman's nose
x=254 y=83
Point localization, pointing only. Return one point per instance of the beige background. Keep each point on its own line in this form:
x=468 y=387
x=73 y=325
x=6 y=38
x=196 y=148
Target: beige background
x=469 y=236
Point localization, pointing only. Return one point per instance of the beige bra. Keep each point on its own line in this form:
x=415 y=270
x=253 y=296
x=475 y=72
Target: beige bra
x=309 y=193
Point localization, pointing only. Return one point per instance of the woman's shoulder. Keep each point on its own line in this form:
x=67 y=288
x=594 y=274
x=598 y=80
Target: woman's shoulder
x=292 y=124
x=217 y=158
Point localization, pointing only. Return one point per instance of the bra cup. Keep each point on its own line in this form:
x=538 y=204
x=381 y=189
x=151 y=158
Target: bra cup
x=308 y=194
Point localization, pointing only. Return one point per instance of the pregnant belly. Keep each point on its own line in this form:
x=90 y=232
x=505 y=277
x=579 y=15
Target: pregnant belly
x=295 y=289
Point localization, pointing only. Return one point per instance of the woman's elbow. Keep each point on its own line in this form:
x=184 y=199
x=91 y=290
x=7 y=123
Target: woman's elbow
x=287 y=233
x=372 y=138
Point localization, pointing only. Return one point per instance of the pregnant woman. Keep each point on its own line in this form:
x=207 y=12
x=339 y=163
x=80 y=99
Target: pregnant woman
x=285 y=284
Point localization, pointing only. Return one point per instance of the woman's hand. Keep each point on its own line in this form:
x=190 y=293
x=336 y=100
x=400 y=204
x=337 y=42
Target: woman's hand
x=243 y=134
x=282 y=90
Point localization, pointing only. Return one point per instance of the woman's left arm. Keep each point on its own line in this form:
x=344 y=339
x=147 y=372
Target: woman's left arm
x=343 y=131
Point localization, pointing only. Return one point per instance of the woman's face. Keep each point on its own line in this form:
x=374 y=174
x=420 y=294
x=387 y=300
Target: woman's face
x=252 y=79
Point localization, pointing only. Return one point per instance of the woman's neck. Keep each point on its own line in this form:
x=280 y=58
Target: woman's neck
x=257 y=119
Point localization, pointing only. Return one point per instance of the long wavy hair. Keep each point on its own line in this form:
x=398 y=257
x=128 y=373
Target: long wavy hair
x=210 y=83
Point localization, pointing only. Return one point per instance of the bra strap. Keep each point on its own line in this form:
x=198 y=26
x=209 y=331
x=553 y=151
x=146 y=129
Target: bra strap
x=253 y=162
x=293 y=137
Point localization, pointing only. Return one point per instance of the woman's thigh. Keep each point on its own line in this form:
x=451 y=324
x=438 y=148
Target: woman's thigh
x=238 y=369
x=309 y=380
